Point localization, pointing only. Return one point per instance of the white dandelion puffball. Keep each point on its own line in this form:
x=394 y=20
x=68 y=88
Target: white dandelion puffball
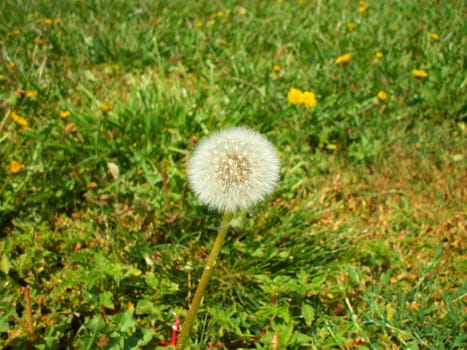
x=233 y=169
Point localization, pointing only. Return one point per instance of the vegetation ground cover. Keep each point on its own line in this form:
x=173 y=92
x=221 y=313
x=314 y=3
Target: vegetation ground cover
x=362 y=244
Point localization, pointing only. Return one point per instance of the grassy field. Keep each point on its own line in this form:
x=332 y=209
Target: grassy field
x=361 y=246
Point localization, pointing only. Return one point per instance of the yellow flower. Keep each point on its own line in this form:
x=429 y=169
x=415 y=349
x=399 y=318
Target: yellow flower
x=105 y=107
x=198 y=24
x=383 y=96
x=419 y=73
x=276 y=68
x=351 y=25
x=15 y=167
x=379 y=54
x=19 y=120
x=433 y=36
x=11 y=65
x=64 y=114
x=309 y=99
x=363 y=6
x=31 y=93
x=295 y=96
x=344 y=58
x=13 y=32
x=48 y=21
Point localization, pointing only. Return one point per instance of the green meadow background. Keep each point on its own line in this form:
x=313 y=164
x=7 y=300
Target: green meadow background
x=361 y=246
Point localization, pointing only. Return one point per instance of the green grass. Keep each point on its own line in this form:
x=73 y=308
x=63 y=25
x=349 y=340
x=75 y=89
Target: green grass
x=361 y=246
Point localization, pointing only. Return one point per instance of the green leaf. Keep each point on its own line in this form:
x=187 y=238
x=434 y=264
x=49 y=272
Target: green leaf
x=105 y=299
x=308 y=314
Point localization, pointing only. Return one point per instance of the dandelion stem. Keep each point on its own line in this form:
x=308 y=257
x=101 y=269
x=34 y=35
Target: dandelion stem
x=188 y=324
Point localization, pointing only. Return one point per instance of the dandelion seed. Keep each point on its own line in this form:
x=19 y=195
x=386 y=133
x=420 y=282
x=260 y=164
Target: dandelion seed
x=105 y=107
x=64 y=114
x=344 y=58
x=309 y=99
x=433 y=36
x=233 y=169
x=19 y=120
x=14 y=167
x=383 y=96
x=419 y=73
x=295 y=96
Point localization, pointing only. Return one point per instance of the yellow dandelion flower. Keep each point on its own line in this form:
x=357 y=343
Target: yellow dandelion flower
x=13 y=32
x=382 y=95
x=344 y=58
x=31 y=94
x=14 y=167
x=130 y=305
x=48 y=21
x=137 y=273
x=276 y=68
x=11 y=65
x=379 y=54
x=64 y=114
x=295 y=96
x=433 y=36
x=105 y=107
x=19 y=120
x=351 y=25
x=199 y=24
x=363 y=6
x=419 y=73
x=309 y=99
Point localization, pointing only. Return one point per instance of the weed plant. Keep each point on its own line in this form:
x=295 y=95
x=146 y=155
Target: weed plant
x=362 y=244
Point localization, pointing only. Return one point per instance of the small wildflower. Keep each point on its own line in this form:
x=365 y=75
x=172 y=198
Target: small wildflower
x=344 y=58
x=13 y=32
x=199 y=24
x=93 y=185
x=295 y=96
x=419 y=73
x=32 y=94
x=351 y=25
x=433 y=36
x=64 y=114
x=137 y=273
x=383 y=96
x=363 y=6
x=309 y=99
x=233 y=169
x=105 y=107
x=14 y=167
x=276 y=68
x=379 y=54
x=130 y=305
x=70 y=128
x=48 y=21
x=19 y=120
x=11 y=65
x=40 y=41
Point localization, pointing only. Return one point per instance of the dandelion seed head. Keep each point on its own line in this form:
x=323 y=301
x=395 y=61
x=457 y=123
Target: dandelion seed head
x=233 y=169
